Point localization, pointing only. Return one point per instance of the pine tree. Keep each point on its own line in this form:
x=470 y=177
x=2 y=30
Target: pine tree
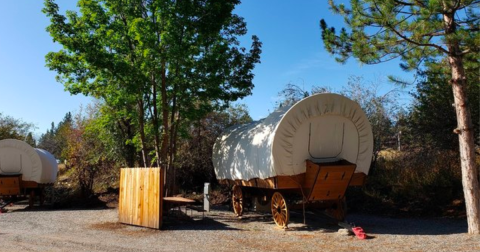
x=417 y=31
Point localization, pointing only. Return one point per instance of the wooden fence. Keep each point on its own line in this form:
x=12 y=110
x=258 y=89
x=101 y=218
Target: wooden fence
x=141 y=197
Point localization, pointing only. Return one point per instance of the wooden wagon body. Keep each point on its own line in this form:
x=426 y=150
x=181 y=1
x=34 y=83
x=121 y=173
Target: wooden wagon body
x=310 y=152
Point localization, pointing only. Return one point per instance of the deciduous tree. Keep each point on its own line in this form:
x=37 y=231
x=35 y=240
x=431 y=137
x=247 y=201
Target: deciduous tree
x=195 y=149
x=14 y=128
x=170 y=60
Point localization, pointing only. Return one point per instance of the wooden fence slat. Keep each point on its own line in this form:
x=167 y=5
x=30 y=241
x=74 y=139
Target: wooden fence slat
x=141 y=197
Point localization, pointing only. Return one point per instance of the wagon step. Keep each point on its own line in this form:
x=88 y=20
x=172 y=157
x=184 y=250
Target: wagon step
x=358 y=231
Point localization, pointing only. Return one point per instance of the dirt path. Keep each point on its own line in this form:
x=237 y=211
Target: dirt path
x=98 y=230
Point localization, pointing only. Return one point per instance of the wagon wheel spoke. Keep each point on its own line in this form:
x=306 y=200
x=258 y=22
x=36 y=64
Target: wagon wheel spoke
x=280 y=210
x=275 y=205
x=237 y=200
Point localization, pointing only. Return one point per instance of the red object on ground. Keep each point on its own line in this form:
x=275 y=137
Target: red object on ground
x=358 y=231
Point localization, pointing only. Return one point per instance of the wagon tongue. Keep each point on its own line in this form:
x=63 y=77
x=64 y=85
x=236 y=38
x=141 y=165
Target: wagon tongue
x=358 y=231
x=3 y=204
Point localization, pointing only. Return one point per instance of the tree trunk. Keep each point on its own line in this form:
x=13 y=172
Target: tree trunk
x=165 y=135
x=141 y=123
x=464 y=126
x=156 y=136
x=153 y=80
x=467 y=147
x=173 y=127
x=128 y=150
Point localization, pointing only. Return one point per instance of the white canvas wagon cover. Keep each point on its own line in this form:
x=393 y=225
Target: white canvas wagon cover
x=18 y=157
x=321 y=128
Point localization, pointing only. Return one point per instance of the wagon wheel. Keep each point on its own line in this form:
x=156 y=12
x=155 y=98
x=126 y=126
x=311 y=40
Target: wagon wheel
x=237 y=200
x=280 y=210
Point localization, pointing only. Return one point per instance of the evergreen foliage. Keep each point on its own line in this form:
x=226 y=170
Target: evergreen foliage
x=433 y=114
x=419 y=32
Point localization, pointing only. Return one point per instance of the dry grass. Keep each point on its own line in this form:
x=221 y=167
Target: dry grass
x=421 y=183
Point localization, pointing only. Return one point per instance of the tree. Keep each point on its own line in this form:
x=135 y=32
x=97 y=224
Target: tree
x=30 y=140
x=292 y=93
x=15 y=128
x=85 y=151
x=55 y=139
x=195 y=165
x=419 y=31
x=46 y=140
x=118 y=132
x=380 y=109
x=157 y=63
x=433 y=104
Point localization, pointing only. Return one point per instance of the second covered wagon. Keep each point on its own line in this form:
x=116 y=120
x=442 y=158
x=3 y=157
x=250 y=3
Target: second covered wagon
x=309 y=152
x=25 y=170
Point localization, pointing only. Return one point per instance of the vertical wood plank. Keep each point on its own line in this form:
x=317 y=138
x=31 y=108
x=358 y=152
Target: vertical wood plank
x=141 y=197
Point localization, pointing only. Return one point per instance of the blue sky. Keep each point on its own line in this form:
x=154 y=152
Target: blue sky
x=292 y=53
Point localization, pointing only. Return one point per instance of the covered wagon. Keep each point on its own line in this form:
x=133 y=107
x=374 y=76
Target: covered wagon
x=310 y=153
x=25 y=170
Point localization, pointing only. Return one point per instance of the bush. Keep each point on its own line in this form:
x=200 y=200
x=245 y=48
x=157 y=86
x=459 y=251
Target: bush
x=417 y=182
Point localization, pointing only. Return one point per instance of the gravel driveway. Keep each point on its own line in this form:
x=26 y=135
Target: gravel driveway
x=98 y=230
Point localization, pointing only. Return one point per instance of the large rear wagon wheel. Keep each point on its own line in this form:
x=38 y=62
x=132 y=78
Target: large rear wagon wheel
x=280 y=210
x=237 y=200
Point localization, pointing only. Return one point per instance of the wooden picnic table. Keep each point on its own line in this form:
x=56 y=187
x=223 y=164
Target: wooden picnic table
x=172 y=202
x=178 y=200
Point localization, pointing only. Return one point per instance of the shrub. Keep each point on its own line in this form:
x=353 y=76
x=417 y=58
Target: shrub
x=419 y=182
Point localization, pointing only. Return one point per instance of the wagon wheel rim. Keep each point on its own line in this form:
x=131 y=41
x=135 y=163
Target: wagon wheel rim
x=280 y=210
x=237 y=200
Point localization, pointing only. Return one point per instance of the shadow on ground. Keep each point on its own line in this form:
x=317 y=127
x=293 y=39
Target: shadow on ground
x=23 y=206
x=223 y=219
x=409 y=226
x=205 y=224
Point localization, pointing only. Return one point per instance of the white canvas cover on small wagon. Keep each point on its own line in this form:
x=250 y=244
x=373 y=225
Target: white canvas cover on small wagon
x=321 y=128
x=18 y=157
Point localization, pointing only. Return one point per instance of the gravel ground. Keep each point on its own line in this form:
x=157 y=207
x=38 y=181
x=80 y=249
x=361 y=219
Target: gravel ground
x=40 y=229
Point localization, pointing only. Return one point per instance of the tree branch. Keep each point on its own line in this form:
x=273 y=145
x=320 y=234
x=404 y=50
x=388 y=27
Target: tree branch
x=404 y=3
x=399 y=34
